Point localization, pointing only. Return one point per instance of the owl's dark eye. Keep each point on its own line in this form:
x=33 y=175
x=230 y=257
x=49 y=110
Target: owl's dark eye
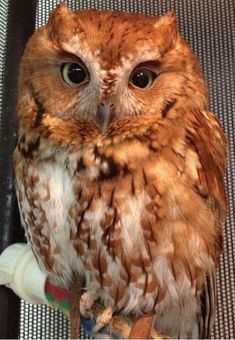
x=74 y=73
x=142 y=78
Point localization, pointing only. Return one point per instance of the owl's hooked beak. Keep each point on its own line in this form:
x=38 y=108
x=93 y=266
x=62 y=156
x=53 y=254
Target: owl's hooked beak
x=104 y=115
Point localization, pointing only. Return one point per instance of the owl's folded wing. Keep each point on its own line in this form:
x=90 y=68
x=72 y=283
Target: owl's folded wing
x=208 y=306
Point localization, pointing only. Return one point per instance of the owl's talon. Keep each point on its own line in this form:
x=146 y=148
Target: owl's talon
x=103 y=320
x=86 y=302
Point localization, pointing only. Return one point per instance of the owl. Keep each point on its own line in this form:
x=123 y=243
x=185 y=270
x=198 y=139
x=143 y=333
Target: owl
x=119 y=167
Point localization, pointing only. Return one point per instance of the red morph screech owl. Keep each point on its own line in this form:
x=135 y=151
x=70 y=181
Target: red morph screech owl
x=119 y=166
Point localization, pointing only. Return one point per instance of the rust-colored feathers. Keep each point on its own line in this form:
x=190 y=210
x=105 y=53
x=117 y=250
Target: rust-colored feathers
x=120 y=164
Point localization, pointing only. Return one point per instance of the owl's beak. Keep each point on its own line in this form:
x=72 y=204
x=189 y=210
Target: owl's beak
x=104 y=116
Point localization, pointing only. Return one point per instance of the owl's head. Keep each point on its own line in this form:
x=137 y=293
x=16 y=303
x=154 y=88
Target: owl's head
x=106 y=66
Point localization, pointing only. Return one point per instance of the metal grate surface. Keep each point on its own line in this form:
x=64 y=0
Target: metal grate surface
x=3 y=40
x=209 y=26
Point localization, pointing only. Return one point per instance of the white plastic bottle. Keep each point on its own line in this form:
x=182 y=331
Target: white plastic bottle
x=19 y=271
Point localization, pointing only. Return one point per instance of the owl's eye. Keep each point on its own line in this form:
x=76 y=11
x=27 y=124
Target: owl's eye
x=74 y=73
x=142 y=78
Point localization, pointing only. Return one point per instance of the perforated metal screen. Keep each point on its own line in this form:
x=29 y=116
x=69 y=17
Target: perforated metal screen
x=209 y=26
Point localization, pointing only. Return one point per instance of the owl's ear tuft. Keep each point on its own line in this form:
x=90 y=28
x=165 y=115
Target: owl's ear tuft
x=60 y=13
x=59 y=19
x=168 y=19
x=166 y=26
x=62 y=9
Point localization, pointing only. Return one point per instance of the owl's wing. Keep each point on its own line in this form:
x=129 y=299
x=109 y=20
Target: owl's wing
x=208 y=307
x=205 y=136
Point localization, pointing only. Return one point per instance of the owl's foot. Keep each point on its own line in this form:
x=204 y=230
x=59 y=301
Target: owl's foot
x=86 y=303
x=103 y=320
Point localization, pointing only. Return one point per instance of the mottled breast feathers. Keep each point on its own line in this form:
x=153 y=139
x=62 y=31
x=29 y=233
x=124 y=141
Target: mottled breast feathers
x=119 y=176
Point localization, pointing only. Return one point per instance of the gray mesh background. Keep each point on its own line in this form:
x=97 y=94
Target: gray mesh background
x=209 y=26
x=3 y=32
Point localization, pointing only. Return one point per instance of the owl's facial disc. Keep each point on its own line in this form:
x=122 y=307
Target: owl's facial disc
x=136 y=65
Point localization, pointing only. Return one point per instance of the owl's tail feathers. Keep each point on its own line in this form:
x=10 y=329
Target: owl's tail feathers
x=75 y=292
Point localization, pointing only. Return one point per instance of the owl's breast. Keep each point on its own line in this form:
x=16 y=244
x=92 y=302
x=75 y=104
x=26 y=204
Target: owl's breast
x=137 y=235
x=45 y=196
x=120 y=218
